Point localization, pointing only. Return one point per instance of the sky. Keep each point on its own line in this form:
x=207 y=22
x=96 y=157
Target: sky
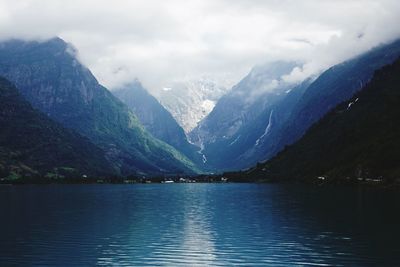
x=163 y=42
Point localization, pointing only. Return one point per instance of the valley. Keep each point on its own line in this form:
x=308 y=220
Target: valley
x=135 y=134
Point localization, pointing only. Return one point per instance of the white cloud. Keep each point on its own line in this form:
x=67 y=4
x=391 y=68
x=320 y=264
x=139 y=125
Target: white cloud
x=160 y=42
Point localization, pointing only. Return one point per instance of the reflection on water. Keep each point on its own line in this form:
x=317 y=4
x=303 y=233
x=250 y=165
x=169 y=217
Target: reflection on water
x=198 y=225
x=197 y=244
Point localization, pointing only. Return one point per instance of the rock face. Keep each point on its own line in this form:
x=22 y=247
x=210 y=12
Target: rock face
x=32 y=145
x=51 y=78
x=235 y=130
x=356 y=141
x=156 y=119
x=238 y=133
x=189 y=102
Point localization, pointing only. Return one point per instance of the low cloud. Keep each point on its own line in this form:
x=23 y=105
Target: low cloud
x=161 y=42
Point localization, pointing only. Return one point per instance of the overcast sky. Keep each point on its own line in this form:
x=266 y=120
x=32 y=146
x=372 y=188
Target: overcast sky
x=160 y=42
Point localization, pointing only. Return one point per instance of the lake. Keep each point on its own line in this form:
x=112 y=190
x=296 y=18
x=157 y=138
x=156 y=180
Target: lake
x=198 y=225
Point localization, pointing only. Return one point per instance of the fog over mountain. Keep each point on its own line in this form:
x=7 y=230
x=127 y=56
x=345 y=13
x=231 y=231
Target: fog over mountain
x=164 y=42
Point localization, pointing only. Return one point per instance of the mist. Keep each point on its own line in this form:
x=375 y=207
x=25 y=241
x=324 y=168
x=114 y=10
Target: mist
x=165 y=42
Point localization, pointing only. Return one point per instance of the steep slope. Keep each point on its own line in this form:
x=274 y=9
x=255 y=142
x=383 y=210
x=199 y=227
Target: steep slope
x=156 y=119
x=357 y=139
x=190 y=101
x=332 y=87
x=245 y=134
x=32 y=145
x=240 y=121
x=256 y=140
x=51 y=78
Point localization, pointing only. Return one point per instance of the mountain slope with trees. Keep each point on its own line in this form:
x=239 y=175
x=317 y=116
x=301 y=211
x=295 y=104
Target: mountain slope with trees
x=357 y=140
x=34 y=146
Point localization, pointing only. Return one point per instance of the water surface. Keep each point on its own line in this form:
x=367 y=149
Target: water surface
x=198 y=225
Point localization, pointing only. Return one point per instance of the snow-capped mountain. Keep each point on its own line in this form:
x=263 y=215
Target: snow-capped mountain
x=262 y=114
x=245 y=116
x=190 y=101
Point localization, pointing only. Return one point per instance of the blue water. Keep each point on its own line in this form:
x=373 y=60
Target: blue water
x=198 y=225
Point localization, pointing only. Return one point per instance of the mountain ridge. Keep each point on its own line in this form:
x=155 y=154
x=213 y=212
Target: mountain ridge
x=156 y=119
x=355 y=141
x=51 y=78
x=243 y=144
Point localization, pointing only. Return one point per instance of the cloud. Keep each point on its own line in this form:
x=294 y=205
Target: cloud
x=161 y=42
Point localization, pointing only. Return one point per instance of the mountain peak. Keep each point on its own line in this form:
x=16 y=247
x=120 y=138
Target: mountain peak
x=57 y=40
x=19 y=44
x=34 y=50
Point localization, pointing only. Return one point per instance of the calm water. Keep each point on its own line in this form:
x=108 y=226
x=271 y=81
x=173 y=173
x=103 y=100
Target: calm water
x=198 y=225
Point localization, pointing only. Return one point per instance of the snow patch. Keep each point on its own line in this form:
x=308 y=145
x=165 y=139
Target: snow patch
x=351 y=103
x=208 y=106
x=189 y=101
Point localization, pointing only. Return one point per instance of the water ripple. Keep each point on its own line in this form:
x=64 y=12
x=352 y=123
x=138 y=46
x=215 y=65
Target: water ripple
x=196 y=225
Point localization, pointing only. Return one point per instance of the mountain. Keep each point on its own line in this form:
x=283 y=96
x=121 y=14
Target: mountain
x=337 y=84
x=243 y=134
x=190 y=101
x=357 y=140
x=49 y=75
x=235 y=129
x=156 y=119
x=254 y=141
x=32 y=145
